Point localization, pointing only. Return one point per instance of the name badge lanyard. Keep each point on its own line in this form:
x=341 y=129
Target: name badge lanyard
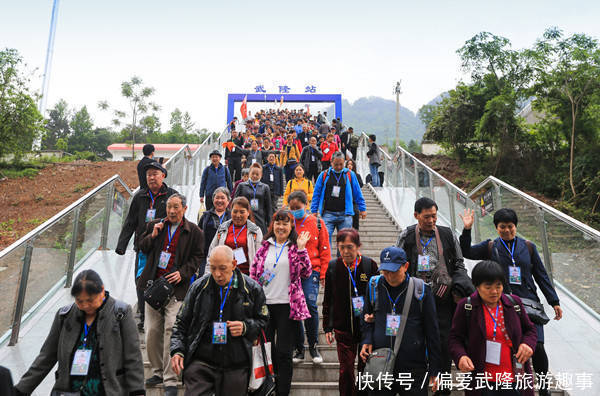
x=494 y=319
x=425 y=244
x=170 y=236
x=253 y=188
x=224 y=299
x=221 y=218
x=510 y=251
x=351 y=277
x=235 y=237
x=151 y=198
x=277 y=256
x=337 y=178
x=272 y=169
x=86 y=330
x=394 y=302
x=301 y=224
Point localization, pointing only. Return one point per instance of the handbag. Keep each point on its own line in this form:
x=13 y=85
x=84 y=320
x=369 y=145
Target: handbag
x=382 y=360
x=535 y=311
x=158 y=293
x=266 y=383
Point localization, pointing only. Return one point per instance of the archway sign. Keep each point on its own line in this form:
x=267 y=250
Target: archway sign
x=287 y=98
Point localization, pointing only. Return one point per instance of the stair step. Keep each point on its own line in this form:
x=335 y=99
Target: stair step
x=309 y=372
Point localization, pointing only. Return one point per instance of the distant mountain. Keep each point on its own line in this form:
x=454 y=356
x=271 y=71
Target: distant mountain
x=378 y=115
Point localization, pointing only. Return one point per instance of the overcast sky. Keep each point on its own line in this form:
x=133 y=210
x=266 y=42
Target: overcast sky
x=195 y=52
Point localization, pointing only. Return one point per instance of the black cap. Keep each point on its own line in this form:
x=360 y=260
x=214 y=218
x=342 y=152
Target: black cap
x=215 y=152
x=155 y=165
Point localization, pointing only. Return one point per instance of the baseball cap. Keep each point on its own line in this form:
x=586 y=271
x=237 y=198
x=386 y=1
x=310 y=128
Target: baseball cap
x=392 y=258
x=156 y=165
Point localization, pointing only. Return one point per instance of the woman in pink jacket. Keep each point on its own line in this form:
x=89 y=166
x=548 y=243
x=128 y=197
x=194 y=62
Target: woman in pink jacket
x=279 y=265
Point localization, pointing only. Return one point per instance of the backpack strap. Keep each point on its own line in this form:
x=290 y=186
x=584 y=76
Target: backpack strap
x=419 y=292
x=529 y=249
x=373 y=283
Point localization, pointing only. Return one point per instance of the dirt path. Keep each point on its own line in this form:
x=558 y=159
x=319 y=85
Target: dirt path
x=28 y=202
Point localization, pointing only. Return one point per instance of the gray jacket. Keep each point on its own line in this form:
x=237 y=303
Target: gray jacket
x=221 y=236
x=121 y=362
x=373 y=154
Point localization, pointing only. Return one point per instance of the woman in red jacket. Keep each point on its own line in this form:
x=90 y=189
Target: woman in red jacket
x=492 y=336
x=328 y=147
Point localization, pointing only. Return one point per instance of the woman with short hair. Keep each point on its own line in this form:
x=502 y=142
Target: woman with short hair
x=523 y=269
x=492 y=335
x=212 y=219
x=95 y=342
x=259 y=196
x=240 y=233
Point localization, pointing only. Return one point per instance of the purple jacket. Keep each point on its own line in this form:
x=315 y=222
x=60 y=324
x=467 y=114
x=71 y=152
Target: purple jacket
x=299 y=268
x=519 y=328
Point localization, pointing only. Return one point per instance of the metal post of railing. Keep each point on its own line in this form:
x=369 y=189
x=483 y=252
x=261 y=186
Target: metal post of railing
x=431 y=184
x=110 y=196
x=451 y=206
x=416 y=179
x=403 y=169
x=73 y=250
x=18 y=311
x=545 y=247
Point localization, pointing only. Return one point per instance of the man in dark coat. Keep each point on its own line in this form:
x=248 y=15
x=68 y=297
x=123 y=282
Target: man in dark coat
x=233 y=156
x=175 y=248
x=147 y=204
x=214 y=176
x=226 y=298
x=148 y=151
x=449 y=283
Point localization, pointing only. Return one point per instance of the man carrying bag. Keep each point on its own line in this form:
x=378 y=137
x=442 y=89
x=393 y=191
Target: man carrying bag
x=174 y=247
x=400 y=332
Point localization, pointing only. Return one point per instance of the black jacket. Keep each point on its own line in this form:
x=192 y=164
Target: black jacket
x=197 y=314
x=188 y=255
x=236 y=154
x=306 y=157
x=276 y=185
x=265 y=208
x=337 y=299
x=461 y=283
x=136 y=218
x=142 y=172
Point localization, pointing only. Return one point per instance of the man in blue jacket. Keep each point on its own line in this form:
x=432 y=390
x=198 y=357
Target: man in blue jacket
x=214 y=176
x=419 y=354
x=340 y=186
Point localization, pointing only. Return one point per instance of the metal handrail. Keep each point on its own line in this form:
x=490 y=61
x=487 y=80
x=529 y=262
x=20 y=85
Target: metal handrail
x=51 y=221
x=566 y=218
x=366 y=137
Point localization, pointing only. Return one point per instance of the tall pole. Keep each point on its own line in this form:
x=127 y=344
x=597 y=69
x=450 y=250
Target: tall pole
x=397 y=91
x=49 y=53
x=47 y=66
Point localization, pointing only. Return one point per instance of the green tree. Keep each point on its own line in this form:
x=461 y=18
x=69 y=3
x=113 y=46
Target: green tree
x=567 y=77
x=20 y=121
x=139 y=104
x=81 y=137
x=57 y=125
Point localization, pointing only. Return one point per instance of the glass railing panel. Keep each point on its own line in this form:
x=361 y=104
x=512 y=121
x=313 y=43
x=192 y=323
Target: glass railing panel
x=117 y=216
x=10 y=267
x=485 y=219
x=50 y=257
x=91 y=217
x=440 y=195
x=409 y=169
x=575 y=259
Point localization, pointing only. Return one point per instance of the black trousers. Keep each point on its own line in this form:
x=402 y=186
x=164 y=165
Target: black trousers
x=540 y=364
x=235 y=168
x=280 y=331
x=445 y=312
x=202 y=379
x=313 y=172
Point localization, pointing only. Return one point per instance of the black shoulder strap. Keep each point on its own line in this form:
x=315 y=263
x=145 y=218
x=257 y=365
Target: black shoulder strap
x=516 y=306
x=529 y=249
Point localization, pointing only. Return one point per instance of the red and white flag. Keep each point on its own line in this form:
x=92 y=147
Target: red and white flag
x=307 y=109
x=244 y=108
x=281 y=103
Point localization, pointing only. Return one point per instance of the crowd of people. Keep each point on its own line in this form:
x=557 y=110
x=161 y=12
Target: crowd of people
x=250 y=270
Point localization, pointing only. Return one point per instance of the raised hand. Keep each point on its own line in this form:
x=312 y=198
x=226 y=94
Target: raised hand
x=468 y=217
x=303 y=238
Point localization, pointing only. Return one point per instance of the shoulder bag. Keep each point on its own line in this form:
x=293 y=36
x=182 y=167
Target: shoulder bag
x=382 y=360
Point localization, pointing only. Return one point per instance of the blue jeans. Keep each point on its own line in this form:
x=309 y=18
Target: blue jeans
x=335 y=220
x=310 y=286
x=374 y=175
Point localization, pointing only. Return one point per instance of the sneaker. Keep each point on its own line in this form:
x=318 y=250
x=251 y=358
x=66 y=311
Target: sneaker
x=314 y=353
x=154 y=380
x=298 y=356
